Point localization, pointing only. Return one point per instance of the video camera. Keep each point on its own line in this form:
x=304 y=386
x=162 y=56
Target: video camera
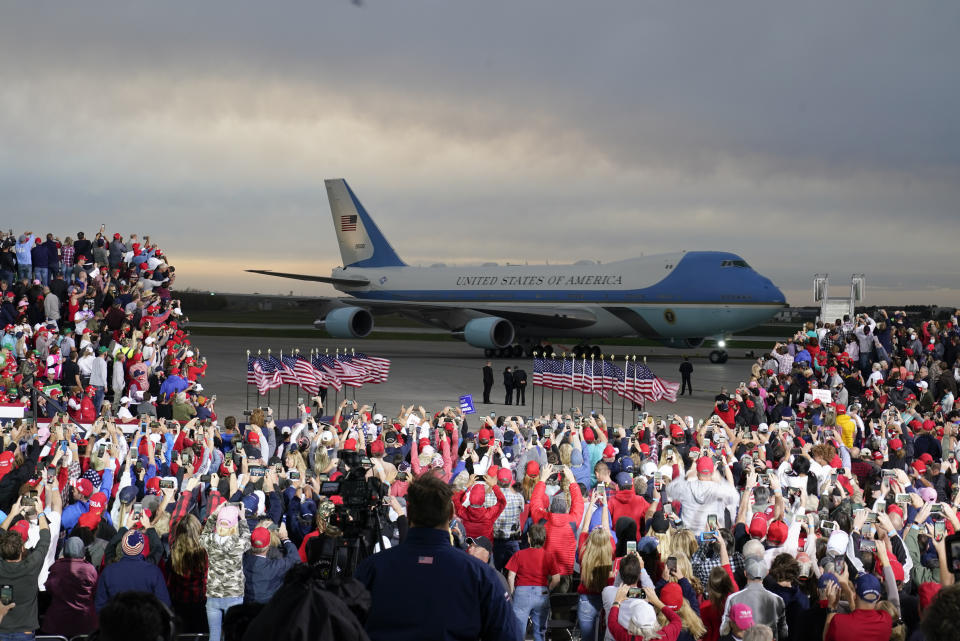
x=357 y=519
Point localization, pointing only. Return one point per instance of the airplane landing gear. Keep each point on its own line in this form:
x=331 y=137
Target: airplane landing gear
x=718 y=356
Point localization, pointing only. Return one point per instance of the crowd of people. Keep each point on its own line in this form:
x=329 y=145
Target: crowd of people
x=817 y=499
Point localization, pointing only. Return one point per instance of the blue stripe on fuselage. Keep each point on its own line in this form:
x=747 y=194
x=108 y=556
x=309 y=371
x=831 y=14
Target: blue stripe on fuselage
x=697 y=278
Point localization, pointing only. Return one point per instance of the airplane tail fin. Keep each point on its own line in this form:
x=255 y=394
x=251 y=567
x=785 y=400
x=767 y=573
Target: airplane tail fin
x=361 y=242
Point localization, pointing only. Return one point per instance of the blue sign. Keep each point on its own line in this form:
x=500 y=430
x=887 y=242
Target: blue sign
x=466 y=404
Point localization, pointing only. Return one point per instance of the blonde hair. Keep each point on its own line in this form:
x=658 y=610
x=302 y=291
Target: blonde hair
x=460 y=481
x=683 y=543
x=297 y=461
x=321 y=461
x=899 y=631
x=688 y=619
x=565 y=452
x=596 y=562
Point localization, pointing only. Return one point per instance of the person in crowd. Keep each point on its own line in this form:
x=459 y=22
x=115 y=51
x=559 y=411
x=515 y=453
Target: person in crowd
x=72 y=586
x=20 y=570
x=426 y=574
x=225 y=537
x=263 y=575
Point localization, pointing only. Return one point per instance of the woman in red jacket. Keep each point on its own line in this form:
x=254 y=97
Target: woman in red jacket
x=638 y=619
x=72 y=582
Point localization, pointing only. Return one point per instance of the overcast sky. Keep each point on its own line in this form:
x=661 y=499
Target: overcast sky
x=813 y=136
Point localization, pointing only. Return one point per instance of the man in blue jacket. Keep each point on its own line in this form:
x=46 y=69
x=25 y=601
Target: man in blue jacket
x=131 y=573
x=40 y=258
x=427 y=589
x=264 y=575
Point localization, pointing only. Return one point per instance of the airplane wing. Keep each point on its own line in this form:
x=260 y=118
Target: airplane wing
x=454 y=316
x=348 y=282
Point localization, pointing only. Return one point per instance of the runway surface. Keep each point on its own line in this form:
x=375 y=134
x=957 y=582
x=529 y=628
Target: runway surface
x=435 y=374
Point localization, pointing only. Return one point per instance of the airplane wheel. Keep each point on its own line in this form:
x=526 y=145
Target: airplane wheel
x=517 y=351
x=528 y=351
x=717 y=357
x=489 y=353
x=596 y=351
x=548 y=349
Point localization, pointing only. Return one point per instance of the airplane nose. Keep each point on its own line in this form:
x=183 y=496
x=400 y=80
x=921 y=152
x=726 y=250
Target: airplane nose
x=773 y=294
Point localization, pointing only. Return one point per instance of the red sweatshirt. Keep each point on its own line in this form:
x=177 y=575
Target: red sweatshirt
x=478 y=521
x=561 y=543
x=628 y=503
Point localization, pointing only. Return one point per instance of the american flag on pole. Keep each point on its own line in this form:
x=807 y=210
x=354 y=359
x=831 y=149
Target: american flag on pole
x=350 y=374
x=627 y=387
x=348 y=223
x=548 y=372
x=378 y=369
x=288 y=375
x=652 y=387
x=310 y=380
x=327 y=367
x=265 y=374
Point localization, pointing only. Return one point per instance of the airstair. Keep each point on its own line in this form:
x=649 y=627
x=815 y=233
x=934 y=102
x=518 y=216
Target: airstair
x=834 y=308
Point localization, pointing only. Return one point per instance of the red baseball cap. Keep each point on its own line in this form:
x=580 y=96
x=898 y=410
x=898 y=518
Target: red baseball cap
x=588 y=435
x=676 y=431
x=22 y=527
x=350 y=444
x=777 y=532
x=705 y=465
x=609 y=451
x=504 y=475
x=260 y=538
x=377 y=447
x=477 y=495
x=644 y=449
x=253 y=437
x=896 y=444
x=533 y=468
x=84 y=486
x=672 y=596
x=758 y=526
x=919 y=466
x=98 y=502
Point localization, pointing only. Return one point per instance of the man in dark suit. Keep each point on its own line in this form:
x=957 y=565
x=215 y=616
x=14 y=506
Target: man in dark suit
x=487 y=381
x=686 y=369
x=520 y=385
x=508 y=385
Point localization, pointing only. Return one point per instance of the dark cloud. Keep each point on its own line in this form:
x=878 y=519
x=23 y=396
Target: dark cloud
x=811 y=137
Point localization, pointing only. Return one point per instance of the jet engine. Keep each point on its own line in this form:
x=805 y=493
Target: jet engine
x=347 y=322
x=682 y=343
x=489 y=333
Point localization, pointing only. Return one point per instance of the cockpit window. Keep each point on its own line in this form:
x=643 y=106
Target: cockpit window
x=734 y=263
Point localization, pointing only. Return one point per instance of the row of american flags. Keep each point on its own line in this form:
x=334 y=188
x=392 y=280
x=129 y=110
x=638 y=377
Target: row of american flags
x=636 y=382
x=310 y=373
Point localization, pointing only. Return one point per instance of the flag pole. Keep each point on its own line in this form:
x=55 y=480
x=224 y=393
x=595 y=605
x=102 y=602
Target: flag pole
x=533 y=386
x=248 y=384
x=583 y=380
x=592 y=372
x=563 y=361
x=623 y=399
x=602 y=369
x=269 y=389
x=553 y=357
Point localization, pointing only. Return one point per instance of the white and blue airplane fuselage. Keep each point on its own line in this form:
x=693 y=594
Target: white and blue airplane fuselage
x=676 y=298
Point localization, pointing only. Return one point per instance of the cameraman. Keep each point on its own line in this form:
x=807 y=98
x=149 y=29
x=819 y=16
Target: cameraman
x=426 y=588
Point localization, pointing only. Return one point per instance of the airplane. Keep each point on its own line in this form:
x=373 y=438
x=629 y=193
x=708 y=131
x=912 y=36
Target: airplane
x=676 y=299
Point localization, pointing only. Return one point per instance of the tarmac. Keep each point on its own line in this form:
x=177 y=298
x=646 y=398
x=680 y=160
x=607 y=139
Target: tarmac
x=436 y=374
